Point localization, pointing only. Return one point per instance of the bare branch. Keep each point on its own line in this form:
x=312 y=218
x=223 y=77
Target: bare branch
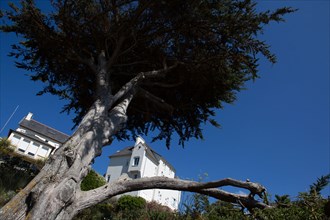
x=137 y=79
x=158 y=101
x=88 y=61
x=159 y=73
x=163 y=85
x=115 y=53
x=89 y=198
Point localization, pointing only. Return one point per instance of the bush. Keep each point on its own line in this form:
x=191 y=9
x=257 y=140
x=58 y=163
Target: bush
x=131 y=207
x=92 y=181
x=156 y=211
x=14 y=175
x=100 y=211
x=5 y=146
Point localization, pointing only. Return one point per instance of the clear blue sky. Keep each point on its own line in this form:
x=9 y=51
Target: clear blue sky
x=277 y=133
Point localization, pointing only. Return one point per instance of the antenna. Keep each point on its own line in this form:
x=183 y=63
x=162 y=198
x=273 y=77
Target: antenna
x=9 y=119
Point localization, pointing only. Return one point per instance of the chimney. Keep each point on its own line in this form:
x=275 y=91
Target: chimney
x=138 y=140
x=29 y=116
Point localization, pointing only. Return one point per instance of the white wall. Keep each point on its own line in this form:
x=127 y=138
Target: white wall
x=145 y=168
x=29 y=147
x=117 y=166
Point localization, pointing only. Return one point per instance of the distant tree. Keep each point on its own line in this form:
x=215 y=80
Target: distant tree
x=128 y=67
x=282 y=201
x=307 y=205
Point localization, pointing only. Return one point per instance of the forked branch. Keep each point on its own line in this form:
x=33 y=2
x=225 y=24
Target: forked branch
x=87 y=199
x=137 y=79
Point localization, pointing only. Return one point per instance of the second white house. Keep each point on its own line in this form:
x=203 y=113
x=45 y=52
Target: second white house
x=140 y=161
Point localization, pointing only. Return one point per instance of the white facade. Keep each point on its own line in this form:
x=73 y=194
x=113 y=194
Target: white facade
x=141 y=161
x=35 y=140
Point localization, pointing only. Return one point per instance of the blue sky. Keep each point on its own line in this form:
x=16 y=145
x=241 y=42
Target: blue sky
x=277 y=133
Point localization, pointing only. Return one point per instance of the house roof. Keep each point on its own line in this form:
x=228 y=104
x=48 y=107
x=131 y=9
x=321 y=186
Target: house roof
x=124 y=152
x=149 y=151
x=44 y=130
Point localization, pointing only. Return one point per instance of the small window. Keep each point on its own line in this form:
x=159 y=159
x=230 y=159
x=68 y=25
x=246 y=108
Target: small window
x=27 y=141
x=31 y=154
x=16 y=136
x=108 y=178
x=35 y=144
x=136 y=161
x=173 y=202
x=21 y=150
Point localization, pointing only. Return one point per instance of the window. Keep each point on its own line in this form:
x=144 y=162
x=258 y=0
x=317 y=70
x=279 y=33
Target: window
x=33 y=148
x=136 y=161
x=173 y=202
x=31 y=154
x=15 y=139
x=108 y=178
x=135 y=176
x=23 y=145
x=43 y=151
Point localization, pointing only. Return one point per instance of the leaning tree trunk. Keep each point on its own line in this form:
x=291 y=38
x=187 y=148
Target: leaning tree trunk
x=50 y=193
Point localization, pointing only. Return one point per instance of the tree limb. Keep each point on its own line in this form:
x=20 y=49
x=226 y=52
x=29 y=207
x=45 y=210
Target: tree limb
x=137 y=79
x=89 y=198
x=155 y=99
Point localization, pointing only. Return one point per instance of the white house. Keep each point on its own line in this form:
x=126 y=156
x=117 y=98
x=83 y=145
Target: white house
x=34 y=139
x=140 y=161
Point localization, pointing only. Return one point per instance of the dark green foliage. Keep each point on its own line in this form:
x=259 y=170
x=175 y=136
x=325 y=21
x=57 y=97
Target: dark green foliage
x=130 y=207
x=15 y=173
x=155 y=211
x=197 y=206
x=320 y=184
x=282 y=201
x=213 y=43
x=97 y=212
x=92 y=181
x=5 y=147
x=223 y=211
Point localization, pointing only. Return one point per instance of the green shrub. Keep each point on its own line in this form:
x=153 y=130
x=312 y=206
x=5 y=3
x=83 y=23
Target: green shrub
x=5 y=146
x=131 y=207
x=156 y=211
x=92 y=181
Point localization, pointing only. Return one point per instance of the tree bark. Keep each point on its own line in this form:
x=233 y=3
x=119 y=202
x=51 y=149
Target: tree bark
x=54 y=188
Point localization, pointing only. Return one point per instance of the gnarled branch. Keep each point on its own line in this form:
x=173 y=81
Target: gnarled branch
x=89 y=198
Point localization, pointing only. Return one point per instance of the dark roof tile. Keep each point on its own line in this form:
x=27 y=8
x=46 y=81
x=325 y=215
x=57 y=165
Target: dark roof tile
x=44 y=130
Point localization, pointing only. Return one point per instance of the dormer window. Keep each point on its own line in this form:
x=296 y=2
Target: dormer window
x=136 y=161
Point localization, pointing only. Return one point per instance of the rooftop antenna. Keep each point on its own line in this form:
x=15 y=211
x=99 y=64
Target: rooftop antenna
x=12 y=114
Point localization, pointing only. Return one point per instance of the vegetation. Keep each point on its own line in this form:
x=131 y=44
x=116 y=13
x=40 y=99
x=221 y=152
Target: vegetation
x=93 y=180
x=307 y=205
x=14 y=172
x=199 y=47
x=129 y=67
x=5 y=146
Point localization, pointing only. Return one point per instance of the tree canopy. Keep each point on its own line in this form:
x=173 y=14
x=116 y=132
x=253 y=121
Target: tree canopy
x=206 y=49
